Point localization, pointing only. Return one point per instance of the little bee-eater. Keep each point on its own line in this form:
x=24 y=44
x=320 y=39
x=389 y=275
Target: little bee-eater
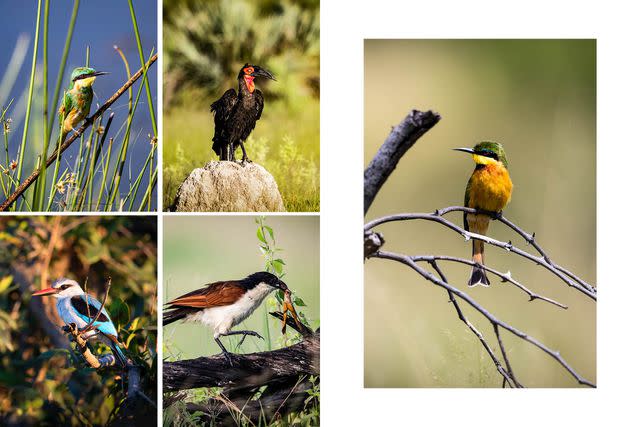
x=488 y=189
x=76 y=102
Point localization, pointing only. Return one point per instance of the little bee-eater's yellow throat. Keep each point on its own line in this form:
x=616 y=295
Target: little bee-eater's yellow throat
x=488 y=189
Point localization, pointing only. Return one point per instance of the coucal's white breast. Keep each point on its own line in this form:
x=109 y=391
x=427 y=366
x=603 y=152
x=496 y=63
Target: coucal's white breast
x=222 y=319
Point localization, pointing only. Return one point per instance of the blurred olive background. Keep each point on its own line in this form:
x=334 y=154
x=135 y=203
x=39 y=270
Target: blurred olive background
x=538 y=98
x=43 y=382
x=205 y=45
x=200 y=250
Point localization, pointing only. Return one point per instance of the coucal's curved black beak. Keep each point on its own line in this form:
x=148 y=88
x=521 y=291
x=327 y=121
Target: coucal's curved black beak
x=283 y=285
x=464 y=150
x=261 y=72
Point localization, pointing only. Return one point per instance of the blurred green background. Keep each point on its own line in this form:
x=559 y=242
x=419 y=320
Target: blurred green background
x=538 y=98
x=205 y=45
x=203 y=249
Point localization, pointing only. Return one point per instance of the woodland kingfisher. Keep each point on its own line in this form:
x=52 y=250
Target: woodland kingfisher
x=76 y=102
x=489 y=189
x=72 y=304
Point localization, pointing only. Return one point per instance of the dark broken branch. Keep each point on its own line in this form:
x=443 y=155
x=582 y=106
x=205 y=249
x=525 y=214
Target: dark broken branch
x=401 y=139
x=253 y=369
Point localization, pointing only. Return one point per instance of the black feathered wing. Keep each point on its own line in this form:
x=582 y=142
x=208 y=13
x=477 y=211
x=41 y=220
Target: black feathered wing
x=259 y=104
x=222 y=109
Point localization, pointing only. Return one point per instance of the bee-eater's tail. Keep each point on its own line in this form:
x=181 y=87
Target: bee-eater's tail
x=478 y=275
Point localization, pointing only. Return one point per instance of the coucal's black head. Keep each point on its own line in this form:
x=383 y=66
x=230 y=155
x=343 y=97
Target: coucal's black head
x=254 y=71
x=264 y=277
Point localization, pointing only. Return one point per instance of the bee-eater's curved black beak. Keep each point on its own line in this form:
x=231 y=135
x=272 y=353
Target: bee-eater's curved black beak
x=98 y=73
x=261 y=72
x=464 y=150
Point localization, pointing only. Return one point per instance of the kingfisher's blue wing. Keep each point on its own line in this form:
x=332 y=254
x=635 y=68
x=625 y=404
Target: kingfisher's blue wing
x=103 y=323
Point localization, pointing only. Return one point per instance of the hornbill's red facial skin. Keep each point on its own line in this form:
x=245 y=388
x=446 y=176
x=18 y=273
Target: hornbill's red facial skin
x=236 y=114
x=222 y=305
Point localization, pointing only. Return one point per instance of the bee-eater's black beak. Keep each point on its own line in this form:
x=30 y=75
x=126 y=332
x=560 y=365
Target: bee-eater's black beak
x=261 y=72
x=98 y=73
x=464 y=150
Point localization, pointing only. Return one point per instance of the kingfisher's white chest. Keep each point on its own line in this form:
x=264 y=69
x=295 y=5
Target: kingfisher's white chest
x=69 y=315
x=222 y=319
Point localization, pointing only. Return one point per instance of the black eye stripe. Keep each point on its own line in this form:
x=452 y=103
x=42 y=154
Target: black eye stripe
x=487 y=153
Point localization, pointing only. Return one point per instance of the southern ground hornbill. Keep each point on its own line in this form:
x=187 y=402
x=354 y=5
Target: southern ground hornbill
x=236 y=114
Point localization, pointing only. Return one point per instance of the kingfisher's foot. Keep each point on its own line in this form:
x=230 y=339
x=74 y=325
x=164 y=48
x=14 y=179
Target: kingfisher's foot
x=496 y=215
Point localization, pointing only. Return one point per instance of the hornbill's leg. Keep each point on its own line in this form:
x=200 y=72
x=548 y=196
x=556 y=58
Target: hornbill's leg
x=244 y=335
x=227 y=355
x=233 y=152
x=229 y=151
x=245 y=159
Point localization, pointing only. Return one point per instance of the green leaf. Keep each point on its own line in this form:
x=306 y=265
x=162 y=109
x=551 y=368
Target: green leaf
x=280 y=261
x=277 y=267
x=298 y=301
x=5 y=282
x=270 y=230
x=261 y=235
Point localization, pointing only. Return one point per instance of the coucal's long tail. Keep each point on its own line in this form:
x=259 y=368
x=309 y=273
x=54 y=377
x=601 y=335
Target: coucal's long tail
x=175 y=314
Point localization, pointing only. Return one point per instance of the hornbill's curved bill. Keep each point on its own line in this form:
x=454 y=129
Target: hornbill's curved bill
x=236 y=114
x=223 y=305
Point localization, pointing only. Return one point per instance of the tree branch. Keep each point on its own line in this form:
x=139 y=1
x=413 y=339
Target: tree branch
x=542 y=260
x=34 y=175
x=407 y=260
x=248 y=370
x=506 y=277
x=399 y=141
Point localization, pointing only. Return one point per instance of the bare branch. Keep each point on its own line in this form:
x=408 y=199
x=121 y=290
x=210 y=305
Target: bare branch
x=507 y=376
x=506 y=277
x=404 y=259
x=401 y=138
x=508 y=246
x=104 y=300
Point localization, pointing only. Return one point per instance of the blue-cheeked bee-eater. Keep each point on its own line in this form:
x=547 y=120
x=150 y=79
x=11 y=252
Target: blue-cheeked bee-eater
x=76 y=102
x=489 y=189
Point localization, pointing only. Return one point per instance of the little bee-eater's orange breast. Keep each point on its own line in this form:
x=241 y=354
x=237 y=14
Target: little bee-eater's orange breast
x=490 y=188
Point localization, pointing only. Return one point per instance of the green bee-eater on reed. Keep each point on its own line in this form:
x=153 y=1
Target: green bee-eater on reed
x=489 y=189
x=76 y=102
